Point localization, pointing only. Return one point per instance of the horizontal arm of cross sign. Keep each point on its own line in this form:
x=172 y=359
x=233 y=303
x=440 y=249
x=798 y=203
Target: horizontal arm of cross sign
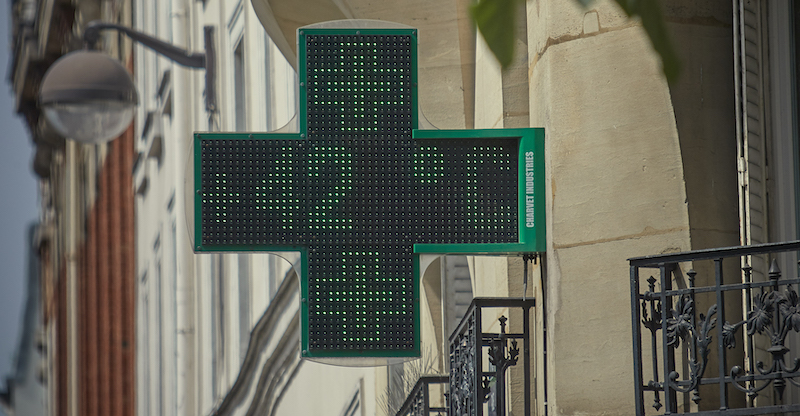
x=469 y=191
x=530 y=215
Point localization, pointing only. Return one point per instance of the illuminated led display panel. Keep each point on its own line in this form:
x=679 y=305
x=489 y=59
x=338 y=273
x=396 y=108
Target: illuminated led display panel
x=359 y=192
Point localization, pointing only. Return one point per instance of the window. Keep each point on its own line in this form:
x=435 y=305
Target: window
x=217 y=324
x=143 y=342
x=771 y=207
x=239 y=87
x=281 y=87
x=157 y=360
x=173 y=255
x=447 y=291
x=244 y=305
x=456 y=290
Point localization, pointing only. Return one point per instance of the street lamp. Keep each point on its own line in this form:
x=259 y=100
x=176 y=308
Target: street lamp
x=87 y=96
x=90 y=97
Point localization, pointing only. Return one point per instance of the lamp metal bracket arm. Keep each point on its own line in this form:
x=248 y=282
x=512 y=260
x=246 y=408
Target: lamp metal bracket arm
x=91 y=35
x=206 y=60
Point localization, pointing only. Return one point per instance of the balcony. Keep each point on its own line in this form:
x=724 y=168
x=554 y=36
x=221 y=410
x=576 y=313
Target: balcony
x=479 y=361
x=426 y=398
x=713 y=331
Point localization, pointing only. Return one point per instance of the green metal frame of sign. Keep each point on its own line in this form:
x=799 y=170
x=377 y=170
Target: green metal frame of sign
x=532 y=234
x=532 y=230
x=530 y=227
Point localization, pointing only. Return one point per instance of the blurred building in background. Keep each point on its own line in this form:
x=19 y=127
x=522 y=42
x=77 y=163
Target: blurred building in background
x=86 y=235
x=26 y=387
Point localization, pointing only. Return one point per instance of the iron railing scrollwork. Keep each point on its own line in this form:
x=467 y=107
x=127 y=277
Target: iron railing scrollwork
x=463 y=367
x=419 y=401
x=729 y=333
x=470 y=384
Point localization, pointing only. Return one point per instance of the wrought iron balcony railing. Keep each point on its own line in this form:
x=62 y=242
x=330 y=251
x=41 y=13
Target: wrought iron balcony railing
x=472 y=390
x=471 y=385
x=713 y=330
x=420 y=400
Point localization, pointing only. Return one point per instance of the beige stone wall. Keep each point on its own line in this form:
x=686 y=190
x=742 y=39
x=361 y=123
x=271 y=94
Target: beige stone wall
x=444 y=49
x=319 y=389
x=635 y=168
x=703 y=102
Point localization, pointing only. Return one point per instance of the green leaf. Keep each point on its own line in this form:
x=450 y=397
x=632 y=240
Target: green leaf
x=496 y=21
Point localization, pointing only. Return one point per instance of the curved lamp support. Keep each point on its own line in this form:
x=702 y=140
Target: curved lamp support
x=206 y=60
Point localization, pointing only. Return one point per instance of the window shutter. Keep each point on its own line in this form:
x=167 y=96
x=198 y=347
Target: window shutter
x=456 y=291
x=750 y=119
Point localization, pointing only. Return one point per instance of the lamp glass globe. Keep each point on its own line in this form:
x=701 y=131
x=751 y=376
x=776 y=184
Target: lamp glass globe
x=90 y=122
x=87 y=96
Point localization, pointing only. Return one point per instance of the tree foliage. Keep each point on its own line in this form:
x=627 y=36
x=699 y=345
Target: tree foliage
x=496 y=22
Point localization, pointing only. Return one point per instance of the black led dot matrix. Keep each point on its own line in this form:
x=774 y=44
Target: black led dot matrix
x=359 y=192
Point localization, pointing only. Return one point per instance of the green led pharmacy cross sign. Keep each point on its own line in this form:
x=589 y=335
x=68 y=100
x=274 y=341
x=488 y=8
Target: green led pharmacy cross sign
x=360 y=192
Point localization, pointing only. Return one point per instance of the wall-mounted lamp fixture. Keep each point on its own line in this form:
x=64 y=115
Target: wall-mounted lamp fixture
x=90 y=97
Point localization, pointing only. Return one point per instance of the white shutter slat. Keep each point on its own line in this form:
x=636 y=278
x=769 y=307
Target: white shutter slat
x=750 y=118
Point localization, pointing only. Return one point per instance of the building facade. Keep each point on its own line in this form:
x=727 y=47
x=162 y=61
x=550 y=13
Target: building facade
x=196 y=312
x=635 y=166
x=25 y=388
